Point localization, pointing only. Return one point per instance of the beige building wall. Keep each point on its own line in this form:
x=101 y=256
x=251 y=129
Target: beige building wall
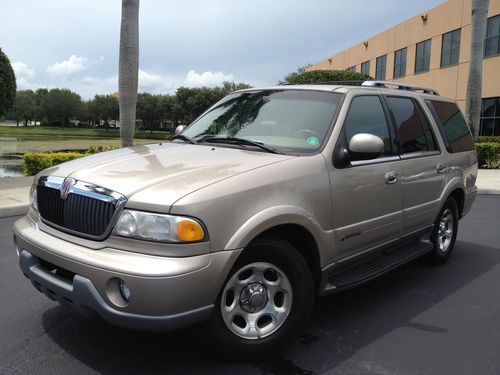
x=450 y=81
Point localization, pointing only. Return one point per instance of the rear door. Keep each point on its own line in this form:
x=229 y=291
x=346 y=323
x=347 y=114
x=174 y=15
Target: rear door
x=366 y=195
x=423 y=167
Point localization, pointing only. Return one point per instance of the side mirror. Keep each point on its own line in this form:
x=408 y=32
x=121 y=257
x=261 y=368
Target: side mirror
x=365 y=146
x=179 y=129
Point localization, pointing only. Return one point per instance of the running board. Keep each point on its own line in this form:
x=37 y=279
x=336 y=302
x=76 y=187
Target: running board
x=372 y=268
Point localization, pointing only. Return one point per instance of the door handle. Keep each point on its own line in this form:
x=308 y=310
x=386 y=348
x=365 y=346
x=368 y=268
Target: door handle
x=391 y=177
x=441 y=168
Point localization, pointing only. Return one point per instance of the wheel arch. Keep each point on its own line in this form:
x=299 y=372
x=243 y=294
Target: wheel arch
x=291 y=224
x=300 y=238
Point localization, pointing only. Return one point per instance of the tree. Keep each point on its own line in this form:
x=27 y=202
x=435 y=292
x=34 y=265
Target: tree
x=40 y=100
x=104 y=107
x=323 y=76
x=61 y=105
x=7 y=84
x=474 y=83
x=128 y=69
x=194 y=101
x=149 y=109
x=24 y=106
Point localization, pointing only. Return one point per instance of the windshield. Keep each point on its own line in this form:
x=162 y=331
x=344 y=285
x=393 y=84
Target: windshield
x=286 y=120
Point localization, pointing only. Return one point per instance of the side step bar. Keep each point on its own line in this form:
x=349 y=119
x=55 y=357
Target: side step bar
x=372 y=268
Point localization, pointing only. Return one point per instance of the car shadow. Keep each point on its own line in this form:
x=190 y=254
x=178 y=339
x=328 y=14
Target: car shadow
x=341 y=325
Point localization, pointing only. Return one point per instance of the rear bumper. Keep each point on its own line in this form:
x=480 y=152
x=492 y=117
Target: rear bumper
x=470 y=197
x=166 y=292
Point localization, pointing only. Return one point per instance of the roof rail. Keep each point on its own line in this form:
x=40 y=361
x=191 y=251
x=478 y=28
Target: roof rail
x=340 y=83
x=400 y=86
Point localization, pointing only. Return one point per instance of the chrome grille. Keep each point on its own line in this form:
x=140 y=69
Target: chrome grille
x=88 y=210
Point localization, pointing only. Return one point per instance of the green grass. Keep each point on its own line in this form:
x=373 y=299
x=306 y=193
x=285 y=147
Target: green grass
x=76 y=132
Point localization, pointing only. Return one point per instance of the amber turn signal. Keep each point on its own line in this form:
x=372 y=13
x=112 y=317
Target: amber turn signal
x=189 y=231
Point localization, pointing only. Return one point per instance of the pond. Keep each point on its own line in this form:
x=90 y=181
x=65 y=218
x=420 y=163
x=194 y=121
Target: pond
x=12 y=148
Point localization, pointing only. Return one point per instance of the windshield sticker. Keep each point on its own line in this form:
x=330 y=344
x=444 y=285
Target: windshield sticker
x=312 y=140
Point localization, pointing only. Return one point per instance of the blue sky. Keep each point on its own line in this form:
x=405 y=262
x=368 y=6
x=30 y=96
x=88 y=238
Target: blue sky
x=74 y=44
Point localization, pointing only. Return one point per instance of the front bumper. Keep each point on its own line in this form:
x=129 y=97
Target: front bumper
x=166 y=292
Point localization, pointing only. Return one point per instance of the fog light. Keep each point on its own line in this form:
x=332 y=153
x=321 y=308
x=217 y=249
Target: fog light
x=124 y=291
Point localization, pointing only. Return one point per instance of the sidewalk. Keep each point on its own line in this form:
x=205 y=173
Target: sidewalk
x=14 y=191
x=14 y=195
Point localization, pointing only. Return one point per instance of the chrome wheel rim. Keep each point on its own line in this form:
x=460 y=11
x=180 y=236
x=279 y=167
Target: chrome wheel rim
x=256 y=300
x=445 y=230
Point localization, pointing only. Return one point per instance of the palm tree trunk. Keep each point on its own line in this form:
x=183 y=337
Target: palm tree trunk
x=128 y=69
x=474 y=84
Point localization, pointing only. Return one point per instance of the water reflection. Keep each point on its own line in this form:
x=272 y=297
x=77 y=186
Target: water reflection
x=10 y=171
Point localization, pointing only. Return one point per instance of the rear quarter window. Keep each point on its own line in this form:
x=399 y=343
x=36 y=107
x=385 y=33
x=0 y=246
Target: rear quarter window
x=452 y=126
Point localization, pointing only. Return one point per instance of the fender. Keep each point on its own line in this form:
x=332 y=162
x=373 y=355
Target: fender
x=280 y=215
x=454 y=183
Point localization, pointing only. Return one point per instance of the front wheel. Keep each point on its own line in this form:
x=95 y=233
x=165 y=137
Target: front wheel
x=265 y=301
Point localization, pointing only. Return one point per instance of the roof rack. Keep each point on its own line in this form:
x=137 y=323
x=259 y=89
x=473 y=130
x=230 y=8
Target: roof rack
x=400 y=86
x=345 y=83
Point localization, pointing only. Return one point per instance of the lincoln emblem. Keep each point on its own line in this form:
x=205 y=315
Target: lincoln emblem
x=66 y=186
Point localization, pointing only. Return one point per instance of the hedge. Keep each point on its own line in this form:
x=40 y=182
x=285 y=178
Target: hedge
x=488 y=140
x=488 y=154
x=34 y=162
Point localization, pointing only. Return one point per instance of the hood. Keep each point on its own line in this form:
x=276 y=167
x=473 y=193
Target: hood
x=153 y=177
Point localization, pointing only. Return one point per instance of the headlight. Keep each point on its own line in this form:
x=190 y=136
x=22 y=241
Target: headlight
x=33 y=201
x=158 y=227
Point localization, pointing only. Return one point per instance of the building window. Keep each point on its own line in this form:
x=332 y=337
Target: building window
x=365 y=67
x=380 y=67
x=490 y=117
x=450 y=49
x=351 y=69
x=492 y=41
x=423 y=56
x=400 y=63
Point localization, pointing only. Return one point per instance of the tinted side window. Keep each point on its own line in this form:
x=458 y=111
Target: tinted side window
x=452 y=125
x=414 y=133
x=366 y=115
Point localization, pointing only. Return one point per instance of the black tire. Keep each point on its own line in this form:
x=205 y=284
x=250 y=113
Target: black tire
x=440 y=255
x=287 y=259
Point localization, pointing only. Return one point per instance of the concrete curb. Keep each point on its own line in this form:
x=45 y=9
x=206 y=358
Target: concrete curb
x=488 y=192
x=20 y=209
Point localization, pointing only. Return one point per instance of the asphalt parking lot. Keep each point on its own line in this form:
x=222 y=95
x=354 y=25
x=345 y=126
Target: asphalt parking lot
x=415 y=320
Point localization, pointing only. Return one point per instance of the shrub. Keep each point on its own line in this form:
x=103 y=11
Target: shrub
x=100 y=148
x=488 y=140
x=487 y=153
x=492 y=164
x=34 y=162
x=319 y=76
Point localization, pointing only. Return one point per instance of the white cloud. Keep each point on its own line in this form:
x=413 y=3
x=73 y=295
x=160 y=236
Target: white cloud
x=24 y=75
x=22 y=70
x=150 y=81
x=68 y=67
x=207 y=78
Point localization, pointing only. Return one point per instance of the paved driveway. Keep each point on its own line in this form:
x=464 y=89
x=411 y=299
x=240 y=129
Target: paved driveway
x=415 y=320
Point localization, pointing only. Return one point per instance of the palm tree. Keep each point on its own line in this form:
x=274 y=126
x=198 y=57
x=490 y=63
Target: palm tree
x=128 y=69
x=474 y=84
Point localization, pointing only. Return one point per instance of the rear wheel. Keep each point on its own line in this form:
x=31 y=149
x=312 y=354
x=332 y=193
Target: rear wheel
x=444 y=233
x=265 y=301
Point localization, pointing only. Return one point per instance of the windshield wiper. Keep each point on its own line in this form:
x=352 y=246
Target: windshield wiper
x=184 y=138
x=240 y=141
